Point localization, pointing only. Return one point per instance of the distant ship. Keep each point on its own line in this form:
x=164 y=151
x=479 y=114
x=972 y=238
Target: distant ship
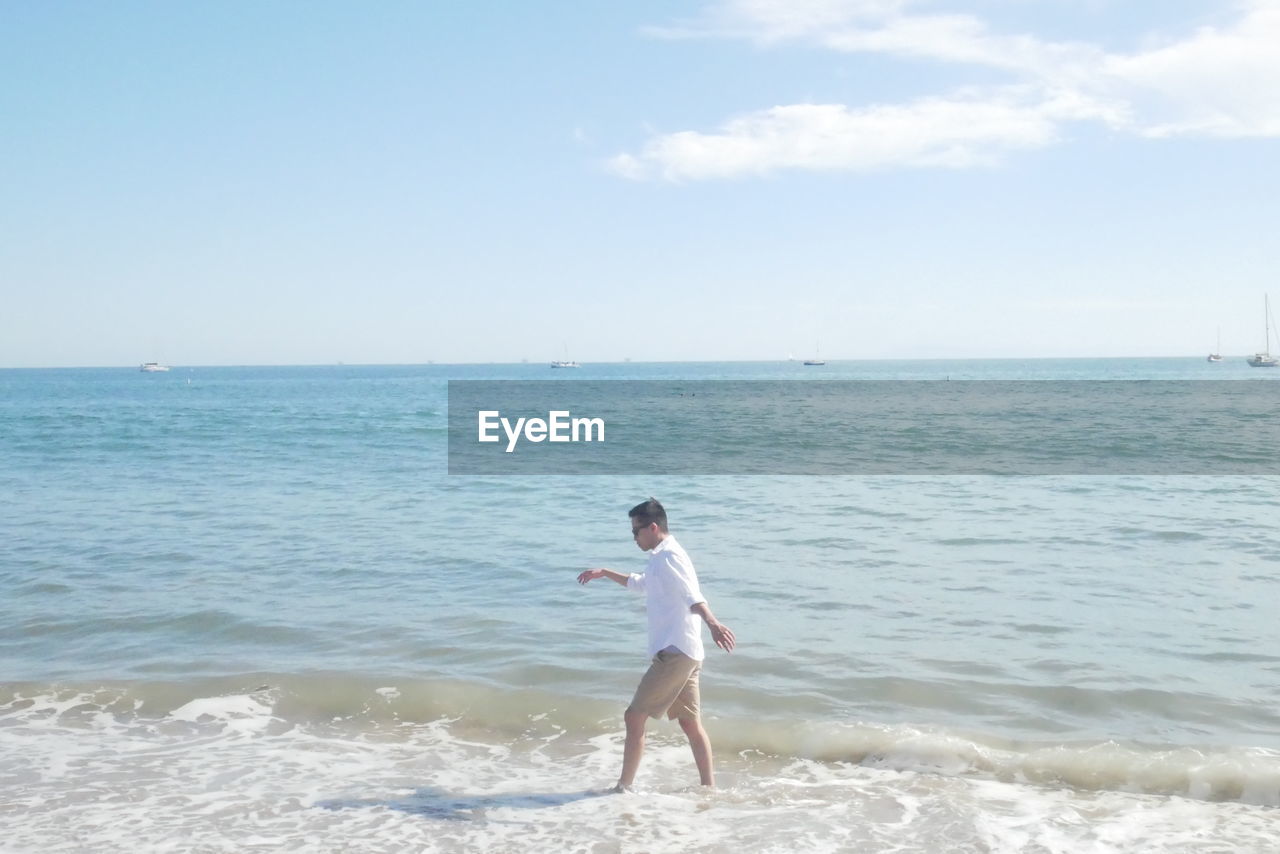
x=817 y=357
x=1216 y=355
x=566 y=362
x=152 y=367
x=1265 y=359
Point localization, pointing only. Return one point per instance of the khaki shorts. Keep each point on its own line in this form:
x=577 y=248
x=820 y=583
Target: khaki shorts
x=669 y=687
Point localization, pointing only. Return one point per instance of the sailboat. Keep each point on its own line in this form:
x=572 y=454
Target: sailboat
x=566 y=362
x=817 y=357
x=1264 y=359
x=1216 y=355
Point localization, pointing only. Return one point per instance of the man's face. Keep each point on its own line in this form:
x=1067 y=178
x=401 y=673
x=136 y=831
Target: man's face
x=646 y=536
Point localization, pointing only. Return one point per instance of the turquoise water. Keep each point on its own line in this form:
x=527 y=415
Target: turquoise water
x=244 y=569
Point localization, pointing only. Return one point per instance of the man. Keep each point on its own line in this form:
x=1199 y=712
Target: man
x=672 y=599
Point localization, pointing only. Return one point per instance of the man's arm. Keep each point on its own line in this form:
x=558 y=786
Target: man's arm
x=720 y=633
x=593 y=574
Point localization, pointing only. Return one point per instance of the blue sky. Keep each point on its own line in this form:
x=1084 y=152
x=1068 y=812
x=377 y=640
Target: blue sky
x=298 y=183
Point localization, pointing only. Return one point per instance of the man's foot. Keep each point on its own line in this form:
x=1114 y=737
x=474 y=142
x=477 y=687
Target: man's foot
x=620 y=789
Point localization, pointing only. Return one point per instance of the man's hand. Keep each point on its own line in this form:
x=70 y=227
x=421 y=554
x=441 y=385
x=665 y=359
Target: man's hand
x=593 y=574
x=723 y=636
x=720 y=633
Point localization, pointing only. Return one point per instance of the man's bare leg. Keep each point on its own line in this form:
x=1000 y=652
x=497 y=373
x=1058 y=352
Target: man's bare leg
x=701 y=746
x=633 y=749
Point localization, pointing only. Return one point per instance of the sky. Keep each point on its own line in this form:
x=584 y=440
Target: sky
x=255 y=183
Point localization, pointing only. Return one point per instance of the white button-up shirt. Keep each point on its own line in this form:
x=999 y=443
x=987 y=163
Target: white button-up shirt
x=670 y=586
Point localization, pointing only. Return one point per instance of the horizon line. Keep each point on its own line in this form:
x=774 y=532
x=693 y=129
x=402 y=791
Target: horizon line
x=603 y=362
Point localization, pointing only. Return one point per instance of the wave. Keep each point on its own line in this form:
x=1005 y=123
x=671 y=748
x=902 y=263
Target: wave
x=260 y=701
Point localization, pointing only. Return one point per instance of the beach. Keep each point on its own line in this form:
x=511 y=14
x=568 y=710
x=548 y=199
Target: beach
x=250 y=610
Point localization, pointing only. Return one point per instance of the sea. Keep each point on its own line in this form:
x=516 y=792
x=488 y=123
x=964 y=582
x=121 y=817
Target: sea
x=248 y=609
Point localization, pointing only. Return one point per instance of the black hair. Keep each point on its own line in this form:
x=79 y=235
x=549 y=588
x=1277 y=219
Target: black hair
x=648 y=512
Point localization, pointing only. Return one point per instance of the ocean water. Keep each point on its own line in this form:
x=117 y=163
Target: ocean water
x=247 y=609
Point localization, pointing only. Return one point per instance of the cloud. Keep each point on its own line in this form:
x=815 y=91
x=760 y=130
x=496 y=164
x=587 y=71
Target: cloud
x=933 y=132
x=883 y=26
x=1219 y=82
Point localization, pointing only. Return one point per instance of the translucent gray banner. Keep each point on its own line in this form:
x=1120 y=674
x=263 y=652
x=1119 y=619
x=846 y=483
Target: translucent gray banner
x=863 y=427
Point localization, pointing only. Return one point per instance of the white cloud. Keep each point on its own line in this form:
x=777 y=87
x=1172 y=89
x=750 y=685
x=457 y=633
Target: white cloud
x=1221 y=82
x=933 y=132
x=883 y=26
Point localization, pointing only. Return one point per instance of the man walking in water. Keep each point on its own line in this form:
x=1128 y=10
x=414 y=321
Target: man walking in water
x=673 y=602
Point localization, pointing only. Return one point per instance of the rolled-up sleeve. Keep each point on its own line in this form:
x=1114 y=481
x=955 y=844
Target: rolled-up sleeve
x=684 y=583
x=636 y=582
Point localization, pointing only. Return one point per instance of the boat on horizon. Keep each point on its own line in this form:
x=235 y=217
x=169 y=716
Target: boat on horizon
x=152 y=368
x=1264 y=359
x=817 y=359
x=1216 y=355
x=566 y=362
